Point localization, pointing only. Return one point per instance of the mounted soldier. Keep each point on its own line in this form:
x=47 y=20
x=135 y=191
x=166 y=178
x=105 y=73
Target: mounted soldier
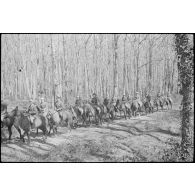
x=33 y=108
x=128 y=98
x=124 y=99
x=78 y=101
x=158 y=95
x=137 y=98
x=94 y=99
x=106 y=101
x=43 y=106
x=169 y=99
x=148 y=97
x=96 y=105
x=58 y=104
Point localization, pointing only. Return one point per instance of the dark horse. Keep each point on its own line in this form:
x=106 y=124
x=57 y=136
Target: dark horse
x=19 y=120
x=149 y=106
x=7 y=119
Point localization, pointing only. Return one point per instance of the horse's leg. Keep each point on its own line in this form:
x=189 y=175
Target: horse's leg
x=89 y=120
x=45 y=132
x=69 y=126
x=19 y=131
x=10 y=131
x=49 y=129
x=37 y=131
x=23 y=136
x=129 y=113
x=27 y=133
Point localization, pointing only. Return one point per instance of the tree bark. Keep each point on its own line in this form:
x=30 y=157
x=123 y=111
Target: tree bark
x=185 y=67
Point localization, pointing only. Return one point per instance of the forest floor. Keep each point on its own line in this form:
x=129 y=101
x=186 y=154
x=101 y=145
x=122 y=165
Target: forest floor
x=139 y=139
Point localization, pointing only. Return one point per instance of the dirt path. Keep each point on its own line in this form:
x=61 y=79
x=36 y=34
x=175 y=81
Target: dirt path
x=137 y=139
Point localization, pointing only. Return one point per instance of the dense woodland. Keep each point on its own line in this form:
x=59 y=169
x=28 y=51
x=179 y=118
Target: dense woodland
x=80 y=64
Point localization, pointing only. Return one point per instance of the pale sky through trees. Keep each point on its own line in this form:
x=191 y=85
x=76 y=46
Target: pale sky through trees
x=80 y=64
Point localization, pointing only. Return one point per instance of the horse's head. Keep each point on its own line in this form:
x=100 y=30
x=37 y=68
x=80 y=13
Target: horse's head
x=14 y=112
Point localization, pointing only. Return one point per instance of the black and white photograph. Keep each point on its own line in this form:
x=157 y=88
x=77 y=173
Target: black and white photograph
x=97 y=97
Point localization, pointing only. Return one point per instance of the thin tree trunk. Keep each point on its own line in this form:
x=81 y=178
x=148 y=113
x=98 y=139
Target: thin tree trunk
x=115 y=73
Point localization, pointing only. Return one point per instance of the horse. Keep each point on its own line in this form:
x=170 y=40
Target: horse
x=112 y=110
x=120 y=105
x=88 y=112
x=158 y=102
x=168 y=101
x=22 y=123
x=67 y=116
x=78 y=112
x=149 y=106
x=39 y=121
x=136 y=106
x=105 y=110
x=128 y=108
x=53 y=120
x=7 y=119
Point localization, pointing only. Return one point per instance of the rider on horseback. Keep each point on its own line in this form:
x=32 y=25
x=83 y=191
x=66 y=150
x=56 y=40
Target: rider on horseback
x=33 y=108
x=128 y=98
x=94 y=99
x=158 y=95
x=124 y=99
x=138 y=99
x=148 y=97
x=78 y=101
x=43 y=106
x=106 y=101
x=58 y=104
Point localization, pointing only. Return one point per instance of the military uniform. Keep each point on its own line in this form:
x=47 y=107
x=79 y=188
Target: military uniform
x=138 y=99
x=113 y=100
x=158 y=96
x=58 y=104
x=106 y=101
x=44 y=107
x=124 y=98
x=94 y=99
x=148 y=97
x=78 y=101
x=128 y=98
x=33 y=108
